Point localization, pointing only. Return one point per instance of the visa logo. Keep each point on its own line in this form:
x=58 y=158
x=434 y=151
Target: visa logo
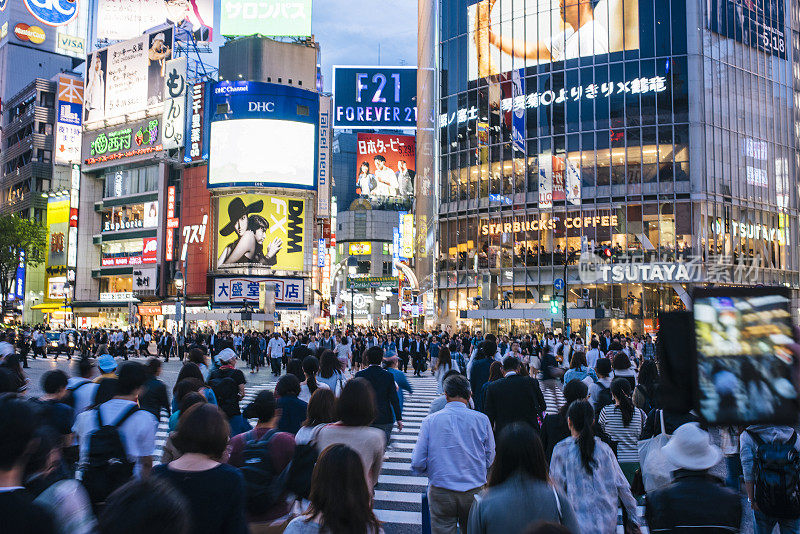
x=70 y=43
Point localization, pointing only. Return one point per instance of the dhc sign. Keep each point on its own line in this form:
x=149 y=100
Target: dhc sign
x=53 y=12
x=261 y=107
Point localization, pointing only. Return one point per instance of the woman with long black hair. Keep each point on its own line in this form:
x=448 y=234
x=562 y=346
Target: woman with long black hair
x=586 y=470
x=310 y=384
x=623 y=422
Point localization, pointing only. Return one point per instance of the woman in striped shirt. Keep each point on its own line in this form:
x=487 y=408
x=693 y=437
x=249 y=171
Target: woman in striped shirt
x=623 y=422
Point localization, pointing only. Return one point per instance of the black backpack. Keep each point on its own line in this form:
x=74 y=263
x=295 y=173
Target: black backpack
x=298 y=479
x=777 y=477
x=604 y=398
x=227 y=393
x=264 y=487
x=69 y=400
x=107 y=466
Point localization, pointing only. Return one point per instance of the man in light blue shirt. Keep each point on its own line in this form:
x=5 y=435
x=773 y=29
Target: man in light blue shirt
x=455 y=449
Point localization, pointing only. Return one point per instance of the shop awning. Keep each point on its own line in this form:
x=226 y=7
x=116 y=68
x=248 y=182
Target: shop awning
x=47 y=307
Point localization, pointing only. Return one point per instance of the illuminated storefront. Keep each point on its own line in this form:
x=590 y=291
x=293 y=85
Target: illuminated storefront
x=670 y=140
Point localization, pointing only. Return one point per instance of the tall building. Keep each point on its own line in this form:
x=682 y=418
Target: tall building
x=620 y=152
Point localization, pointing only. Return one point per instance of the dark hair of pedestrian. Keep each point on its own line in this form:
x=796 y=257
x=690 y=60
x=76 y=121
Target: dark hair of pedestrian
x=448 y=374
x=328 y=364
x=621 y=391
x=445 y=360
x=321 y=408
x=603 y=367
x=46 y=440
x=186 y=386
x=594 y=344
x=153 y=366
x=8 y=381
x=288 y=386
x=203 y=429
x=339 y=495
x=190 y=370
x=196 y=356
x=545 y=527
x=574 y=390
x=84 y=367
x=510 y=363
x=310 y=370
x=356 y=405
x=495 y=371
x=18 y=422
x=457 y=387
x=621 y=361
x=492 y=338
x=578 y=360
x=189 y=400
x=107 y=388
x=151 y=505
x=487 y=349
x=54 y=380
x=374 y=355
x=295 y=367
x=262 y=408
x=648 y=375
x=519 y=450
x=581 y=414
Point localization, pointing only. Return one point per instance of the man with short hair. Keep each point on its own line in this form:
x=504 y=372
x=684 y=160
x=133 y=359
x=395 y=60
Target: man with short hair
x=600 y=391
x=138 y=430
x=154 y=396
x=81 y=387
x=593 y=354
x=455 y=449
x=385 y=388
x=54 y=412
x=513 y=398
x=275 y=353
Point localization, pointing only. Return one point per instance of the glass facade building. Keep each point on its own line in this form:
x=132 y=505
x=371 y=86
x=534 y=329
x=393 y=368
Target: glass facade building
x=621 y=133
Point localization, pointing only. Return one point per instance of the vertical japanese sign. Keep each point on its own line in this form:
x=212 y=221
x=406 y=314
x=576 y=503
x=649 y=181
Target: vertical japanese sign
x=173 y=118
x=74 y=200
x=324 y=156
x=19 y=286
x=68 y=120
x=196 y=145
x=172 y=224
x=395 y=250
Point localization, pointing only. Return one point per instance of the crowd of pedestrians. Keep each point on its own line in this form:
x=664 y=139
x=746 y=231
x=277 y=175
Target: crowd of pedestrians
x=529 y=434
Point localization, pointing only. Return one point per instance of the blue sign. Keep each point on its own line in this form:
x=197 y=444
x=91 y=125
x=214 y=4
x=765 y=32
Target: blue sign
x=3 y=4
x=375 y=98
x=19 y=287
x=53 y=12
x=558 y=284
x=499 y=198
x=260 y=100
x=321 y=253
x=69 y=113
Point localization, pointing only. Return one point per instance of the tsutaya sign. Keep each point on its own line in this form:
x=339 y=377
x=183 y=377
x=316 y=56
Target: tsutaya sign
x=592 y=271
x=534 y=224
x=751 y=231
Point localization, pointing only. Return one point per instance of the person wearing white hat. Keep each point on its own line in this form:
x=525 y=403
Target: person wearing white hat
x=695 y=499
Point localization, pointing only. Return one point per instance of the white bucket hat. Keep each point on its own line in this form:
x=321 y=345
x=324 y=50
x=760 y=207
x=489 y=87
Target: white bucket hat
x=690 y=448
x=226 y=355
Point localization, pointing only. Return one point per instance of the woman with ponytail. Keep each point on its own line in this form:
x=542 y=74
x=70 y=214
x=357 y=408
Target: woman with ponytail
x=310 y=384
x=623 y=422
x=586 y=470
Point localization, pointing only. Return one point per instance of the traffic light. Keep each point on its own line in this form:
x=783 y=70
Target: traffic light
x=554 y=307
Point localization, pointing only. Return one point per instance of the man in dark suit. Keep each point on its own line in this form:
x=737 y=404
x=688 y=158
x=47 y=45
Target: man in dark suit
x=478 y=372
x=387 y=401
x=402 y=351
x=418 y=354
x=513 y=398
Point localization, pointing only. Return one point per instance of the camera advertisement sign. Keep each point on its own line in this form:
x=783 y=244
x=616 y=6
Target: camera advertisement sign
x=246 y=289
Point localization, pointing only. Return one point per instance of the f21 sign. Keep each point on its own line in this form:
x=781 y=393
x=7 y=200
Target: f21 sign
x=374 y=97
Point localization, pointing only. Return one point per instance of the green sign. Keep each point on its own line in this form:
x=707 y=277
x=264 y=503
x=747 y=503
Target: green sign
x=373 y=282
x=110 y=142
x=266 y=17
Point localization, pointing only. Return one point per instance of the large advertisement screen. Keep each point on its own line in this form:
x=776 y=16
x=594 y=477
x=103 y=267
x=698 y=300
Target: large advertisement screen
x=261 y=230
x=127 y=77
x=375 y=98
x=126 y=19
x=267 y=17
x=58 y=26
x=263 y=134
x=509 y=35
x=760 y=24
x=386 y=167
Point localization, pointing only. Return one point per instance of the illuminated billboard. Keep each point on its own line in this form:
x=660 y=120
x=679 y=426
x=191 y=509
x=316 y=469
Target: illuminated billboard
x=69 y=115
x=266 y=17
x=58 y=26
x=386 y=168
x=375 y=97
x=127 y=77
x=263 y=134
x=126 y=19
x=126 y=142
x=261 y=231
x=760 y=24
x=509 y=35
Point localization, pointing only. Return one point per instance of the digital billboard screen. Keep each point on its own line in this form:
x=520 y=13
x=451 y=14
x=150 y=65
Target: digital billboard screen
x=760 y=24
x=375 y=98
x=266 y=17
x=501 y=39
x=125 y=19
x=261 y=230
x=386 y=167
x=262 y=135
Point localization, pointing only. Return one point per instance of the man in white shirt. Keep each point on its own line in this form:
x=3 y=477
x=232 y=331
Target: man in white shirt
x=455 y=449
x=82 y=387
x=138 y=431
x=386 y=178
x=593 y=354
x=275 y=351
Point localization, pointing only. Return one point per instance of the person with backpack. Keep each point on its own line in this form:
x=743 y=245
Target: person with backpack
x=214 y=491
x=262 y=456
x=53 y=407
x=228 y=382
x=600 y=391
x=771 y=468
x=117 y=440
x=695 y=500
x=154 y=398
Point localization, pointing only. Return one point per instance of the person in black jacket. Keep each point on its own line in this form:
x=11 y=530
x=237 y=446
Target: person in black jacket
x=695 y=500
x=479 y=371
x=154 y=397
x=418 y=354
x=385 y=388
x=554 y=426
x=513 y=398
x=293 y=410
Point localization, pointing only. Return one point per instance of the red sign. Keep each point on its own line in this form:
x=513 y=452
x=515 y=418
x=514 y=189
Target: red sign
x=170 y=244
x=195 y=209
x=121 y=262
x=172 y=224
x=149 y=309
x=171 y=202
x=73 y=217
x=385 y=166
x=150 y=250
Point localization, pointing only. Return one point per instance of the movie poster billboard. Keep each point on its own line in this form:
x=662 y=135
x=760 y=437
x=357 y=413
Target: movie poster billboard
x=386 y=166
x=760 y=24
x=559 y=179
x=261 y=231
x=127 y=77
x=125 y=19
x=521 y=33
x=69 y=115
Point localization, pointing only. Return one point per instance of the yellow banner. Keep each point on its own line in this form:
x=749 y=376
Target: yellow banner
x=261 y=230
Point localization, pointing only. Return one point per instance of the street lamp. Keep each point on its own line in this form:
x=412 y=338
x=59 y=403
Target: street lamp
x=178 y=279
x=352 y=267
x=67 y=288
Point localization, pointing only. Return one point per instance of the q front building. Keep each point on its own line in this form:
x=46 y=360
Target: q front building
x=619 y=151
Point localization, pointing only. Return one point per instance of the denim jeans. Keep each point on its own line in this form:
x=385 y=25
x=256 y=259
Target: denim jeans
x=764 y=524
x=386 y=429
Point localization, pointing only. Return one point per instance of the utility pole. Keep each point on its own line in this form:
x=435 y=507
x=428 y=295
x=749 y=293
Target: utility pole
x=566 y=289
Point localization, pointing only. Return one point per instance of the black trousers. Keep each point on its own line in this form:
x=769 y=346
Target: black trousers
x=275 y=363
x=418 y=363
x=403 y=360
